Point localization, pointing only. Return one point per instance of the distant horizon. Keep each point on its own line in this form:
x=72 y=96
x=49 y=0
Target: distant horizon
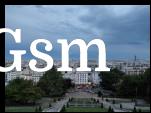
x=77 y=59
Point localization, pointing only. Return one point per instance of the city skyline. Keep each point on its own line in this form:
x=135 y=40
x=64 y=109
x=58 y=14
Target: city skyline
x=125 y=29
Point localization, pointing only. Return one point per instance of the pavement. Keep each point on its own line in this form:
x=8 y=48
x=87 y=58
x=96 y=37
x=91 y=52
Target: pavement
x=56 y=107
x=128 y=106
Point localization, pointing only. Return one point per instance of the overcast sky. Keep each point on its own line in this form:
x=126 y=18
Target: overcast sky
x=124 y=29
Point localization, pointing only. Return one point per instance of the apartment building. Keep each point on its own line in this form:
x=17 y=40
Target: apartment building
x=134 y=67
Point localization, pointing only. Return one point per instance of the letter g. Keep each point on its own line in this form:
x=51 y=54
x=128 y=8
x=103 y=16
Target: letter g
x=17 y=53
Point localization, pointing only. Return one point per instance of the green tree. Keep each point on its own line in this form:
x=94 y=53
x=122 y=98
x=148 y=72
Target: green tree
x=146 y=82
x=63 y=109
x=22 y=91
x=121 y=107
x=113 y=102
x=68 y=83
x=100 y=94
x=128 y=87
x=102 y=105
x=52 y=83
x=39 y=109
x=36 y=109
x=110 y=109
x=140 y=110
x=111 y=79
x=133 y=86
x=134 y=110
x=50 y=105
x=67 y=105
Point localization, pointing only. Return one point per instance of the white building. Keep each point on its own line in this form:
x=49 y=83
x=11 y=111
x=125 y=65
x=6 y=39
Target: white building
x=25 y=74
x=83 y=77
x=135 y=67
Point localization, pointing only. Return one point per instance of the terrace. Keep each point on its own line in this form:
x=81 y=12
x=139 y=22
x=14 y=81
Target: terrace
x=83 y=105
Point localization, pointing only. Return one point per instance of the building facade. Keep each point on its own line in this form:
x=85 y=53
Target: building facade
x=134 y=67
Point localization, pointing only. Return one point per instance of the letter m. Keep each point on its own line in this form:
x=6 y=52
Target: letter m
x=83 y=54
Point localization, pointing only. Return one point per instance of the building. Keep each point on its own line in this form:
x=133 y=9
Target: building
x=84 y=77
x=25 y=74
x=134 y=67
x=131 y=67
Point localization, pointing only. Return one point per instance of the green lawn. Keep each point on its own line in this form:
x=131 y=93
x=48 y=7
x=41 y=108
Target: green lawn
x=79 y=109
x=20 y=109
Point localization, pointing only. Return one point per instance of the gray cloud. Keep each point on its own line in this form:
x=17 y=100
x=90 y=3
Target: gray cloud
x=132 y=28
x=120 y=27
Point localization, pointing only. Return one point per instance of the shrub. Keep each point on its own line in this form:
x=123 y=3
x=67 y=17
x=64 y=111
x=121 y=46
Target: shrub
x=39 y=109
x=121 y=107
x=102 y=105
x=140 y=110
x=36 y=109
x=67 y=105
x=107 y=100
x=98 y=101
x=134 y=110
x=113 y=102
x=54 y=100
x=63 y=109
x=50 y=105
x=110 y=109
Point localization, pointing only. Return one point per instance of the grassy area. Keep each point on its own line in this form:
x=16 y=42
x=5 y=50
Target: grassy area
x=82 y=100
x=79 y=109
x=82 y=105
x=20 y=109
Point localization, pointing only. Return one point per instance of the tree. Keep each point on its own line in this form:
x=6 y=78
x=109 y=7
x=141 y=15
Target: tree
x=102 y=105
x=68 y=83
x=102 y=97
x=52 y=83
x=121 y=107
x=147 y=85
x=54 y=100
x=135 y=86
x=110 y=109
x=140 y=110
x=111 y=79
x=134 y=110
x=39 y=109
x=113 y=102
x=50 y=105
x=22 y=91
x=63 y=109
x=100 y=94
x=36 y=109
x=67 y=105
x=129 y=86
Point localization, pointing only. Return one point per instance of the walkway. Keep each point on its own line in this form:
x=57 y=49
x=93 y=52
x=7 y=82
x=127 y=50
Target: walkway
x=56 y=107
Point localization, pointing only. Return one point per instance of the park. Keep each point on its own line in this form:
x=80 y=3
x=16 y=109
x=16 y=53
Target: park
x=59 y=94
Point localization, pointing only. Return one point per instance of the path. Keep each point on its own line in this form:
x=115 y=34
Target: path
x=56 y=107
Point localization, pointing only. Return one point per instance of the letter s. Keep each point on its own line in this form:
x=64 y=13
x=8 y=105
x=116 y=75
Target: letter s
x=43 y=56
